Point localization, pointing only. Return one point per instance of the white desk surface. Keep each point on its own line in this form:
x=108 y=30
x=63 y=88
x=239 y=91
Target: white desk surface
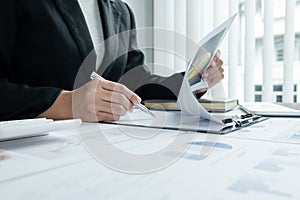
x=259 y=162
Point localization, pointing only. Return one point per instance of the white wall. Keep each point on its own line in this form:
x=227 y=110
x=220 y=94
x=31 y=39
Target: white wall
x=143 y=10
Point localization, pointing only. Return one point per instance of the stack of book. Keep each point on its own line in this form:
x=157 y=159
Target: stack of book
x=211 y=105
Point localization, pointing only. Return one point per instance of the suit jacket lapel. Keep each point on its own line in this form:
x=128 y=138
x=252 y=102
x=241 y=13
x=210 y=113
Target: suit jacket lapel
x=110 y=16
x=71 y=11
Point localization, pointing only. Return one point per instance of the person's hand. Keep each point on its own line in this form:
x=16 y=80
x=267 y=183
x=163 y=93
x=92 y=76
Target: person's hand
x=102 y=100
x=97 y=100
x=214 y=73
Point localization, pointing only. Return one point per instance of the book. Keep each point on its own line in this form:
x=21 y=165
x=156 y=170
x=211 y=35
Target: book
x=211 y=105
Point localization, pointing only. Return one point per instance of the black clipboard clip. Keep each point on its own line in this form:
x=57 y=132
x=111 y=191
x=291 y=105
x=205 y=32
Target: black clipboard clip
x=240 y=121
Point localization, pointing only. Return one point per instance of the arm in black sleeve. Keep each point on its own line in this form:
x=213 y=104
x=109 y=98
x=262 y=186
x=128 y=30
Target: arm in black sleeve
x=139 y=79
x=17 y=101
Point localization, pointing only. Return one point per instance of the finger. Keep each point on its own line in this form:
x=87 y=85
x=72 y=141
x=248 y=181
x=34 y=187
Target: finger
x=217 y=55
x=219 y=63
x=210 y=70
x=212 y=82
x=213 y=73
x=109 y=85
x=103 y=116
x=111 y=108
x=219 y=73
x=214 y=68
x=115 y=97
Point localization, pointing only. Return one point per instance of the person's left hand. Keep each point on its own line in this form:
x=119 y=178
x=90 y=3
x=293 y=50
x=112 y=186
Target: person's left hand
x=214 y=73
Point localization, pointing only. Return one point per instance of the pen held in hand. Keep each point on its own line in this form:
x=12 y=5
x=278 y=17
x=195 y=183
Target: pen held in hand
x=141 y=107
x=144 y=109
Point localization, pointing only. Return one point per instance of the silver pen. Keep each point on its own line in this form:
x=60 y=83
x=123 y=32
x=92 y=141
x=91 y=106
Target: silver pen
x=140 y=106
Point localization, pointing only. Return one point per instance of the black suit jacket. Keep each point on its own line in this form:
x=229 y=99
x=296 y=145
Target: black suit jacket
x=43 y=44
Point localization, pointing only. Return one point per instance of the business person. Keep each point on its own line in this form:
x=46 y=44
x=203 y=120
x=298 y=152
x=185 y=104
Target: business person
x=42 y=46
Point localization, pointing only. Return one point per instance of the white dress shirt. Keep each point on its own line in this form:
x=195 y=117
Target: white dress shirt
x=90 y=10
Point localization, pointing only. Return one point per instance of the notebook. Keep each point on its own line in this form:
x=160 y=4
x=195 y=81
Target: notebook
x=270 y=109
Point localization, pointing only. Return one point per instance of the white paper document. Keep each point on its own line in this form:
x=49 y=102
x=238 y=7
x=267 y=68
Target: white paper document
x=285 y=130
x=208 y=47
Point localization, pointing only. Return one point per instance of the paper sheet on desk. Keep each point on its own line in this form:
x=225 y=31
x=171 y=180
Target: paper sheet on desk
x=208 y=46
x=171 y=121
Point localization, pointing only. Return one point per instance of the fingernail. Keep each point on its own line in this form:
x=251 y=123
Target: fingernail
x=136 y=100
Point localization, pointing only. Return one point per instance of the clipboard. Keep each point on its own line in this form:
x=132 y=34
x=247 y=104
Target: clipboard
x=174 y=120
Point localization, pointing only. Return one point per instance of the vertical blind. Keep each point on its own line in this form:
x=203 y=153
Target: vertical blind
x=289 y=40
x=268 y=49
x=249 y=50
x=195 y=18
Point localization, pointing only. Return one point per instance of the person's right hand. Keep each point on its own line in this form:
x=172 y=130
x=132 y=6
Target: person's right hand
x=97 y=100
x=102 y=100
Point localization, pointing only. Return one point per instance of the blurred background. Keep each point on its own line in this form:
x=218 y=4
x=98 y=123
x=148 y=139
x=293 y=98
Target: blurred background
x=261 y=53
